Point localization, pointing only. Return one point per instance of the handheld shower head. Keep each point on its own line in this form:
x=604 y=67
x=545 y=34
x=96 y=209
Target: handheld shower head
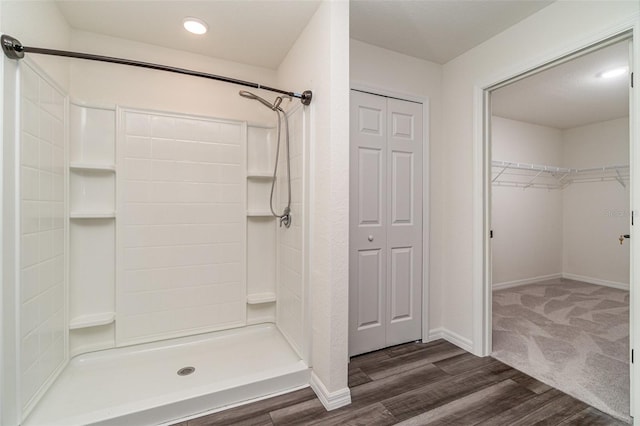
x=276 y=103
x=273 y=106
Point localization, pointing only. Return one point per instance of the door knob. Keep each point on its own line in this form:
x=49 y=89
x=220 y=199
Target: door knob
x=370 y=238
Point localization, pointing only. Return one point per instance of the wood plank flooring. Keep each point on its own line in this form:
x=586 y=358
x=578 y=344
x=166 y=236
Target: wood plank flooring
x=432 y=383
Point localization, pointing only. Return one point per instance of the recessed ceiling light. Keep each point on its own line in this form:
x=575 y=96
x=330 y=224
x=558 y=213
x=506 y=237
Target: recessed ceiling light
x=613 y=72
x=195 y=25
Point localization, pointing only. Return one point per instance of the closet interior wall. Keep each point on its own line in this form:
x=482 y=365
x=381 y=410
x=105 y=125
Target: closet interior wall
x=569 y=232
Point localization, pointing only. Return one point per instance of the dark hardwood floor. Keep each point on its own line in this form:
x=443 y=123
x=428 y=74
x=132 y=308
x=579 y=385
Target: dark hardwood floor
x=433 y=383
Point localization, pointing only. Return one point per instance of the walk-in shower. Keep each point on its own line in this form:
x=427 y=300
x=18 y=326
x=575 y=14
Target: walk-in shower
x=285 y=216
x=144 y=248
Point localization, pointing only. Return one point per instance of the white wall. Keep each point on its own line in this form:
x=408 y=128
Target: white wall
x=102 y=83
x=34 y=23
x=319 y=61
x=182 y=227
x=39 y=24
x=553 y=31
x=596 y=213
x=391 y=71
x=527 y=223
x=42 y=306
x=291 y=308
x=571 y=232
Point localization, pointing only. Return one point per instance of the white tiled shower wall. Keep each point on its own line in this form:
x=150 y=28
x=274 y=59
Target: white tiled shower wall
x=290 y=285
x=42 y=233
x=182 y=221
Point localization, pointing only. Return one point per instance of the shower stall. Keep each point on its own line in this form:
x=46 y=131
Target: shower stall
x=160 y=263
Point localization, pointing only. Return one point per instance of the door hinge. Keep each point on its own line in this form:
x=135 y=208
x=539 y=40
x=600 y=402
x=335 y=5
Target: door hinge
x=632 y=80
x=632 y=217
x=631 y=356
x=491 y=234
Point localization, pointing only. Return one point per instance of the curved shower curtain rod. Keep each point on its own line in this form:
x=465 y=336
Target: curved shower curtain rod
x=13 y=49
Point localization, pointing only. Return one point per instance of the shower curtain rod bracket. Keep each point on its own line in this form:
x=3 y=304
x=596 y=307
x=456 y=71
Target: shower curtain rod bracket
x=306 y=96
x=13 y=49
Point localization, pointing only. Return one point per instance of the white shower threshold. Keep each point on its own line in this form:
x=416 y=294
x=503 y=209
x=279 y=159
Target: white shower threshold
x=139 y=385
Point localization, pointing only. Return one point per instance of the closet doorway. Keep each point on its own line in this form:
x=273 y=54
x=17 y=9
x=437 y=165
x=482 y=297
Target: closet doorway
x=385 y=230
x=560 y=225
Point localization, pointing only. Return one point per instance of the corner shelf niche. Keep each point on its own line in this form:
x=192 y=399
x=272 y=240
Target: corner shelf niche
x=92 y=215
x=260 y=175
x=259 y=213
x=261 y=226
x=92 y=187
x=259 y=298
x=108 y=168
x=94 y=320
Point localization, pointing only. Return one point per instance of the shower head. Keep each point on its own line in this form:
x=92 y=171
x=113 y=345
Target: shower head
x=274 y=106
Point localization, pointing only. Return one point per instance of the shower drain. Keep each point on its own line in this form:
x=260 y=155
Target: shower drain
x=185 y=371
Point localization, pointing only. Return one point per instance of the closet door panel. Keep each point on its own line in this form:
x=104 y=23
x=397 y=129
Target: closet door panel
x=368 y=217
x=401 y=284
x=402 y=188
x=370 y=284
x=404 y=227
x=370 y=187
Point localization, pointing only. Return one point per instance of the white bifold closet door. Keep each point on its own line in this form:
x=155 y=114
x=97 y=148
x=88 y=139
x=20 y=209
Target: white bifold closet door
x=385 y=255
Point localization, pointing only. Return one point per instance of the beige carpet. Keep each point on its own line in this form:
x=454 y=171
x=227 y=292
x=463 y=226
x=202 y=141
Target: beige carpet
x=571 y=335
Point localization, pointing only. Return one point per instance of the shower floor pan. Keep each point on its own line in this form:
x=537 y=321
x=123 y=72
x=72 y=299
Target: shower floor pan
x=140 y=385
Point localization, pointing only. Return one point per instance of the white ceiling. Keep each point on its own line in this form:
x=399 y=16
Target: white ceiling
x=435 y=30
x=255 y=32
x=569 y=95
x=261 y=32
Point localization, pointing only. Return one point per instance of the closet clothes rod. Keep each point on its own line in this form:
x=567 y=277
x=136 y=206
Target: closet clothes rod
x=13 y=49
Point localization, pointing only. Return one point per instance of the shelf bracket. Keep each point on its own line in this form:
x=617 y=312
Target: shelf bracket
x=530 y=183
x=619 y=178
x=500 y=173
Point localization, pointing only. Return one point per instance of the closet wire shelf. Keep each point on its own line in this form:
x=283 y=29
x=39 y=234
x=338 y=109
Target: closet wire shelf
x=524 y=175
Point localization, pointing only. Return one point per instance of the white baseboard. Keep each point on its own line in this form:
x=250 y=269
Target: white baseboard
x=330 y=400
x=516 y=283
x=598 y=281
x=451 y=337
x=590 y=280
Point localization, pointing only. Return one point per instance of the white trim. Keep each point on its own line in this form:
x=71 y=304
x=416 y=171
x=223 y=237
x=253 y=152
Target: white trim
x=227 y=407
x=634 y=183
x=481 y=263
x=598 y=281
x=566 y=275
x=481 y=162
x=330 y=400
x=17 y=238
x=306 y=233
x=451 y=337
x=525 y=281
x=426 y=179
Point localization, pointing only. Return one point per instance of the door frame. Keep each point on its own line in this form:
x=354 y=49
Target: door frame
x=482 y=280
x=426 y=128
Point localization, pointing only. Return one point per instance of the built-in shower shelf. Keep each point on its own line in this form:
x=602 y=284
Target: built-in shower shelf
x=259 y=213
x=92 y=215
x=258 y=298
x=94 y=320
x=259 y=175
x=92 y=167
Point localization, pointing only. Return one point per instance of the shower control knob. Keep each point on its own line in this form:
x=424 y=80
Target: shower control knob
x=370 y=238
